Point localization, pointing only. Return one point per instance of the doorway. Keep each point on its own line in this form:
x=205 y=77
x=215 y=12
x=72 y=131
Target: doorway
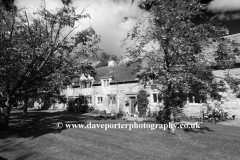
x=132 y=106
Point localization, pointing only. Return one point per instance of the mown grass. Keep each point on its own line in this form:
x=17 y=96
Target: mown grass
x=34 y=137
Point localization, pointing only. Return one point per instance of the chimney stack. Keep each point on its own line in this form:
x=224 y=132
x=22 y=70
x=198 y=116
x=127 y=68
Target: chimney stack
x=111 y=63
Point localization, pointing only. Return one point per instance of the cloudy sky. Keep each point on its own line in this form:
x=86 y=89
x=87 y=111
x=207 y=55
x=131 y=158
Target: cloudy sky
x=225 y=11
x=112 y=19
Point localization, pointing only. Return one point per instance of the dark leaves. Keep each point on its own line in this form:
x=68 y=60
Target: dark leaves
x=183 y=52
x=36 y=58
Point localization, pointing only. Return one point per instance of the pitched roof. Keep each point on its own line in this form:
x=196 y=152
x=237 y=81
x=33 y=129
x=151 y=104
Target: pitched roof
x=120 y=73
x=90 y=59
x=123 y=73
x=235 y=37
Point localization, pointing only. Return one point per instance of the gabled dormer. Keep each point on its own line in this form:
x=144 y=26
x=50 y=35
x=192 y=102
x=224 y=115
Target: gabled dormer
x=84 y=82
x=105 y=81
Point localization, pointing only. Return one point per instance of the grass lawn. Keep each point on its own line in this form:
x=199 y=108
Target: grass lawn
x=34 y=137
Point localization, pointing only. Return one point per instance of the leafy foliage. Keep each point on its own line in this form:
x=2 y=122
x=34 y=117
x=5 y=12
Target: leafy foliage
x=142 y=101
x=40 y=54
x=8 y=5
x=104 y=58
x=181 y=54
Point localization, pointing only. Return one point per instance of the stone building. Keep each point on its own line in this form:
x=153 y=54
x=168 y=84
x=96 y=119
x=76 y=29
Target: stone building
x=114 y=88
x=230 y=101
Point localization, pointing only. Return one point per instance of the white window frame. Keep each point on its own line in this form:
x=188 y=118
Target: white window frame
x=90 y=84
x=152 y=98
x=87 y=83
x=194 y=102
x=90 y=99
x=106 y=83
x=111 y=100
x=98 y=100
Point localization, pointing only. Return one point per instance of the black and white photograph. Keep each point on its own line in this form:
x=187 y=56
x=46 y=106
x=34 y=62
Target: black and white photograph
x=120 y=79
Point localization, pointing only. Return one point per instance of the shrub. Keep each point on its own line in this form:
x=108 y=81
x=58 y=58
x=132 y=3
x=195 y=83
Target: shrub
x=142 y=101
x=95 y=111
x=71 y=105
x=163 y=115
x=75 y=106
x=85 y=108
x=102 y=112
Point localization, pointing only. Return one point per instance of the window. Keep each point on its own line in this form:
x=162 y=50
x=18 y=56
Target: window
x=89 y=99
x=106 y=82
x=89 y=84
x=190 y=99
x=112 y=100
x=86 y=84
x=156 y=98
x=193 y=98
x=99 y=100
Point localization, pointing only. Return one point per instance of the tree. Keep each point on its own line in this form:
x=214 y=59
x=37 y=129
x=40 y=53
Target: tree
x=182 y=53
x=8 y=5
x=39 y=54
x=142 y=101
x=104 y=58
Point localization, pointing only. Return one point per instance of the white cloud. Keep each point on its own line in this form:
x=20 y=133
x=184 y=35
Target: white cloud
x=112 y=19
x=32 y=5
x=108 y=19
x=224 y=5
x=226 y=16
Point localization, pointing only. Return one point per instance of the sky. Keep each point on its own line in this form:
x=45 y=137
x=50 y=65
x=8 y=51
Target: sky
x=225 y=11
x=112 y=19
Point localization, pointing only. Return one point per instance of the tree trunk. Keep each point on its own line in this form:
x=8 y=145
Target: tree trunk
x=25 y=105
x=169 y=106
x=4 y=115
x=25 y=109
x=172 y=130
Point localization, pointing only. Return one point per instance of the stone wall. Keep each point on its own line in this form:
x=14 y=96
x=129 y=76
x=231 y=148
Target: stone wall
x=231 y=104
x=121 y=91
x=192 y=109
x=233 y=108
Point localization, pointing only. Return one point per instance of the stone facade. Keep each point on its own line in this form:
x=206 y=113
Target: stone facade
x=115 y=89
x=230 y=101
x=125 y=95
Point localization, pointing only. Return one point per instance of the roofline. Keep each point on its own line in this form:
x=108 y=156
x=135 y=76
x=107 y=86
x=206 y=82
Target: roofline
x=231 y=35
x=106 y=77
x=118 y=82
x=116 y=65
